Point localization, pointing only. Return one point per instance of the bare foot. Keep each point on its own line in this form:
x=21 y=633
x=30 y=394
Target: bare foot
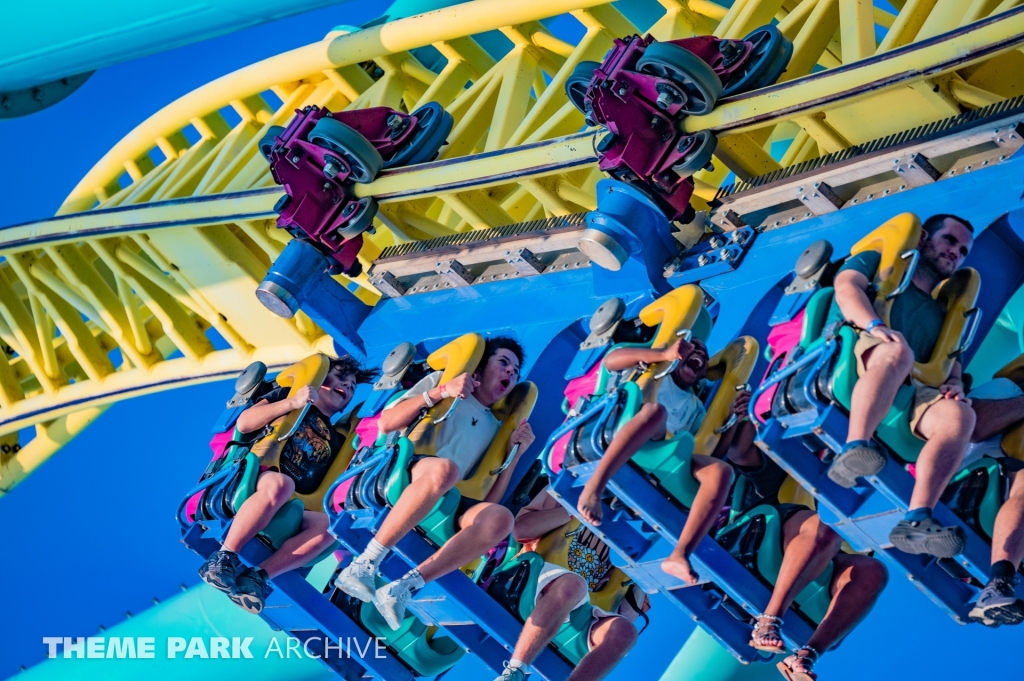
x=680 y=567
x=589 y=506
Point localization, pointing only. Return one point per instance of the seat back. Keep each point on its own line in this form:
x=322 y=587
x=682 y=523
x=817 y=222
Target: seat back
x=892 y=240
x=731 y=367
x=511 y=410
x=958 y=295
x=311 y=371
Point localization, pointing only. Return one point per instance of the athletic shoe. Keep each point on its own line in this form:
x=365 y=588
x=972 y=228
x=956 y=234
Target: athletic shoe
x=859 y=461
x=357 y=580
x=221 y=570
x=927 y=536
x=998 y=604
x=390 y=600
x=251 y=591
x=511 y=674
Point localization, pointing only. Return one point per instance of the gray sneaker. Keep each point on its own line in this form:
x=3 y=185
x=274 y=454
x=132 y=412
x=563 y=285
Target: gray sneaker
x=998 y=604
x=860 y=461
x=511 y=674
x=927 y=536
x=357 y=580
x=220 y=571
x=390 y=600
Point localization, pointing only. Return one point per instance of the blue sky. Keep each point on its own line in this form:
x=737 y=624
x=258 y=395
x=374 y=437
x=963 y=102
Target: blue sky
x=90 y=536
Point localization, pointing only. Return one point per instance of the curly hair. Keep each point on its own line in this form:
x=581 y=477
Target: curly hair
x=492 y=345
x=350 y=366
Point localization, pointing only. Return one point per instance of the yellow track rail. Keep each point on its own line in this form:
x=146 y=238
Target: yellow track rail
x=144 y=280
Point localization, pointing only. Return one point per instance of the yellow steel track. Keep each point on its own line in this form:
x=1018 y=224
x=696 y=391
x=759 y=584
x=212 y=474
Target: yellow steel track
x=144 y=280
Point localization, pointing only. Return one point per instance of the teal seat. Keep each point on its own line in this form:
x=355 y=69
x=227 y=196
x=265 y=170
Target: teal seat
x=572 y=639
x=416 y=644
x=439 y=525
x=976 y=495
x=894 y=430
x=763 y=557
x=286 y=523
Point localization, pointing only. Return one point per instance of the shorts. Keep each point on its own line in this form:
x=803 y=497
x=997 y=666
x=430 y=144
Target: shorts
x=465 y=503
x=924 y=395
x=549 y=573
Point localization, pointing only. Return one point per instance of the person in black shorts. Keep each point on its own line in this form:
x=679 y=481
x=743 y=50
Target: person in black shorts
x=808 y=545
x=306 y=457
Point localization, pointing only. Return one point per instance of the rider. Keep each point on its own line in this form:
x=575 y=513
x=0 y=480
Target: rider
x=677 y=409
x=999 y=404
x=306 y=457
x=561 y=590
x=885 y=357
x=808 y=547
x=460 y=442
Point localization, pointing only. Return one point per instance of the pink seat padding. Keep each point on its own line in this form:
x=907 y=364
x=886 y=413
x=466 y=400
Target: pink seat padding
x=192 y=505
x=781 y=339
x=367 y=430
x=219 y=443
x=582 y=386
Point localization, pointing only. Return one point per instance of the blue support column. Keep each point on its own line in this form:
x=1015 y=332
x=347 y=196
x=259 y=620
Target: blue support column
x=300 y=279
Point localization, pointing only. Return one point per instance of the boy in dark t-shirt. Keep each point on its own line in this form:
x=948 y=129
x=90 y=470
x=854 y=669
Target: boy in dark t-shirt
x=303 y=463
x=941 y=416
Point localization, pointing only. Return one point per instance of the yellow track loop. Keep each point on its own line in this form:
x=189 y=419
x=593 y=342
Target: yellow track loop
x=159 y=248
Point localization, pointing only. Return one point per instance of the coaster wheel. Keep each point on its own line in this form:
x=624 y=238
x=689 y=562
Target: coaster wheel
x=361 y=156
x=267 y=141
x=578 y=82
x=764 y=65
x=697 y=81
x=366 y=209
x=433 y=124
x=698 y=156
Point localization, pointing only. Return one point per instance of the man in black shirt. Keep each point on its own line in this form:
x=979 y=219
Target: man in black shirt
x=306 y=457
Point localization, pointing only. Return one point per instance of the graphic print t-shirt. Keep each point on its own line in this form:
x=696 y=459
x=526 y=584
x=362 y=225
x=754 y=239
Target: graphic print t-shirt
x=311 y=451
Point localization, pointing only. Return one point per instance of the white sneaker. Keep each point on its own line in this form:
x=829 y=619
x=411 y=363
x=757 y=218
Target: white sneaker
x=357 y=580
x=390 y=600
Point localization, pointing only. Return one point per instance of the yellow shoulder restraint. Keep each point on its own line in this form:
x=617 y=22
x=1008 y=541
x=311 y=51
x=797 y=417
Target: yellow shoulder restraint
x=731 y=366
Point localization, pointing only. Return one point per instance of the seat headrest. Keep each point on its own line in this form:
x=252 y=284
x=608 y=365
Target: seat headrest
x=1013 y=371
x=675 y=311
x=247 y=383
x=395 y=366
x=603 y=323
x=813 y=258
x=460 y=356
x=892 y=239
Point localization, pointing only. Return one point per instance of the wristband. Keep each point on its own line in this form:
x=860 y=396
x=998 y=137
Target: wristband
x=873 y=325
x=444 y=393
x=427 y=400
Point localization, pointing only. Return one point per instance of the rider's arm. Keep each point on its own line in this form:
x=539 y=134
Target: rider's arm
x=523 y=434
x=851 y=294
x=539 y=517
x=263 y=412
x=403 y=413
x=742 y=450
x=620 y=359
